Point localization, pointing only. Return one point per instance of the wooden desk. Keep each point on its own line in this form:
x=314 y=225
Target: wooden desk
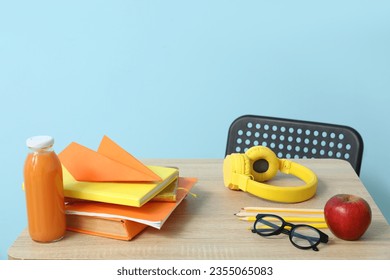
x=206 y=227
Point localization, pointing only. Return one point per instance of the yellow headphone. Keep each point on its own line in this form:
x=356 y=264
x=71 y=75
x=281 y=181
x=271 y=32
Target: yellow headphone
x=258 y=164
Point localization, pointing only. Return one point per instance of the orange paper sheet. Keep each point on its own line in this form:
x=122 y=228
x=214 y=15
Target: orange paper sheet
x=87 y=165
x=152 y=213
x=115 y=152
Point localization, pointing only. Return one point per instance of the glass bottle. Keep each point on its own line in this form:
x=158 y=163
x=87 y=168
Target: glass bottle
x=44 y=191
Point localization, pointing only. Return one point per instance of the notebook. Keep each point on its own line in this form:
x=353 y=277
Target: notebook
x=124 y=193
x=153 y=213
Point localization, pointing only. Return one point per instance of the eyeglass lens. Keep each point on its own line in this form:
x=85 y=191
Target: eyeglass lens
x=268 y=225
x=302 y=236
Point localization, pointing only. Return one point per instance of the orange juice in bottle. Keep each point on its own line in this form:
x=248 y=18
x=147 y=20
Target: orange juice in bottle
x=44 y=191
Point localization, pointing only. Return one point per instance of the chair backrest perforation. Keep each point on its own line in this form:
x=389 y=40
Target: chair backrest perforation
x=296 y=139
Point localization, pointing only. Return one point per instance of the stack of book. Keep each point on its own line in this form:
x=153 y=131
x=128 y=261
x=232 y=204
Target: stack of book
x=110 y=193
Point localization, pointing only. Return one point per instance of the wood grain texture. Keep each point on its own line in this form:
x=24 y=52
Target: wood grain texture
x=205 y=227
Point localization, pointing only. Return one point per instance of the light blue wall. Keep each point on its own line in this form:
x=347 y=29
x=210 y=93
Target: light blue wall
x=166 y=78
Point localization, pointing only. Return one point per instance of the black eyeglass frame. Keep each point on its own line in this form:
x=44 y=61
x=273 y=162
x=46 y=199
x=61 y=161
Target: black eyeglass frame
x=323 y=237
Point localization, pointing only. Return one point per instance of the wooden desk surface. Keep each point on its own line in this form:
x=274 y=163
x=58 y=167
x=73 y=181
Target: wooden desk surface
x=206 y=227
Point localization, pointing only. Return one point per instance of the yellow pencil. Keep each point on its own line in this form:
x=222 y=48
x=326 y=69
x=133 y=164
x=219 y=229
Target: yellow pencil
x=254 y=214
x=288 y=219
x=286 y=210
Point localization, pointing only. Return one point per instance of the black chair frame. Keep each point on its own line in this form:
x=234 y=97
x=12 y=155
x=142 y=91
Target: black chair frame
x=290 y=138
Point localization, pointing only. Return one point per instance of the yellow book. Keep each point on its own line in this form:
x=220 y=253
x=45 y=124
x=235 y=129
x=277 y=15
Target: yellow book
x=169 y=194
x=131 y=194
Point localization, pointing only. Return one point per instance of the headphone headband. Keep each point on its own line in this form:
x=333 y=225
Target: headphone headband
x=239 y=174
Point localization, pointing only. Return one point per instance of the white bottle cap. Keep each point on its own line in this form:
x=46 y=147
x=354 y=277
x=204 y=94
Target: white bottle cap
x=40 y=142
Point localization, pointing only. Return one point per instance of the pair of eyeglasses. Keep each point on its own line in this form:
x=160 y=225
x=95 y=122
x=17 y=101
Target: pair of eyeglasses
x=301 y=236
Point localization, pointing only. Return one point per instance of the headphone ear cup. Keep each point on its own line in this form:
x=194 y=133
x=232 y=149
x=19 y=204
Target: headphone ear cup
x=266 y=157
x=235 y=163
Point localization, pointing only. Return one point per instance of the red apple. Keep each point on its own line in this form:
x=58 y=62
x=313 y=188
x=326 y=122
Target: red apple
x=347 y=216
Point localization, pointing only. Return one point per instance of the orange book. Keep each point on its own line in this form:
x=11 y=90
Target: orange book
x=153 y=213
x=105 y=227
